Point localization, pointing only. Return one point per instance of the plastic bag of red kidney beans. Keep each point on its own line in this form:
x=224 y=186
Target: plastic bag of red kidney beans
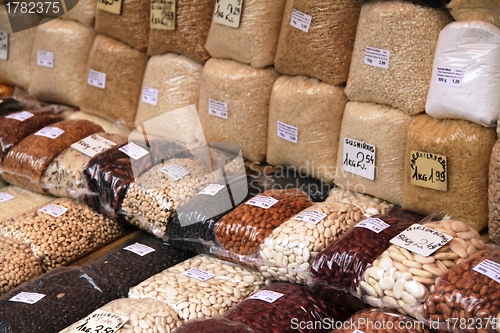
x=286 y=307
x=219 y=325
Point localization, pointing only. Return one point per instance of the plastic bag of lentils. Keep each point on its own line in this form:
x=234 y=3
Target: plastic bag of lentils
x=240 y=232
x=339 y=267
x=402 y=277
x=286 y=307
x=467 y=297
x=291 y=248
x=220 y=325
x=200 y=287
x=134 y=262
x=143 y=316
x=368 y=204
x=53 y=301
x=61 y=231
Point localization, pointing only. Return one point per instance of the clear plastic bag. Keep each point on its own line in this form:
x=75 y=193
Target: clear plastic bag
x=83 y=12
x=494 y=195
x=469 y=10
x=369 y=205
x=25 y=163
x=219 y=325
x=255 y=40
x=295 y=102
x=16 y=201
x=104 y=123
x=200 y=287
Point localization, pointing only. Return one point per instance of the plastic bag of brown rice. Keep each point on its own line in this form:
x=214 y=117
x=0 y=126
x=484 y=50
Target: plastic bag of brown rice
x=471 y=10
x=83 y=12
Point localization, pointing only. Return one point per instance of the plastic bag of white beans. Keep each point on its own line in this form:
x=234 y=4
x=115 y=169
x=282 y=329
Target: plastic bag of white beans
x=368 y=204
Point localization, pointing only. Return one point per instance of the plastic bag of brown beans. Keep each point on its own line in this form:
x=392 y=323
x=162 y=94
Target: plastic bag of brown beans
x=219 y=325
x=240 y=232
x=286 y=307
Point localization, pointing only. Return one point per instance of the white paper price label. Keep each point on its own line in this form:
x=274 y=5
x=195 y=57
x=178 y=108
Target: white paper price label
x=174 y=172
x=288 y=132
x=50 y=132
x=421 y=240
x=218 y=109
x=198 y=274
x=97 y=79
x=45 y=59
x=373 y=224
x=262 y=201
x=212 y=189
x=310 y=216
x=162 y=14
x=93 y=145
x=133 y=151
x=300 y=20
x=377 y=57
x=489 y=268
x=228 y=12
x=5 y=197
x=266 y=296
x=21 y=116
x=29 y=298
x=449 y=76
x=53 y=210
x=4 y=45
x=149 y=95
x=359 y=158
x=101 y=321
x=139 y=249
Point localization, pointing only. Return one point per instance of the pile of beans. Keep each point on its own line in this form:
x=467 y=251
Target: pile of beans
x=240 y=232
x=125 y=269
x=60 y=240
x=291 y=248
x=144 y=316
x=339 y=268
x=370 y=205
x=466 y=298
x=193 y=298
x=153 y=198
x=70 y=294
x=402 y=280
x=297 y=304
x=19 y=264
x=219 y=325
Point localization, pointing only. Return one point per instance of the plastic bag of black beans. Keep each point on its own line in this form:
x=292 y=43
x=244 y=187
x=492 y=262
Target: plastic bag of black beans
x=134 y=262
x=53 y=301
x=219 y=325
x=285 y=307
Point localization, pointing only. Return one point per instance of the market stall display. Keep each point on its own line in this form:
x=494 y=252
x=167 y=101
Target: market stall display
x=16 y=201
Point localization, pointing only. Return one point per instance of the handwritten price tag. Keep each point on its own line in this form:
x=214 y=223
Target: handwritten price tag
x=377 y=57
x=29 y=298
x=93 y=145
x=97 y=79
x=262 y=201
x=198 y=274
x=300 y=20
x=162 y=15
x=139 y=249
x=111 y=6
x=310 y=216
x=21 y=116
x=428 y=170
x=267 y=296
x=421 y=239
x=373 y=224
x=174 y=172
x=288 y=132
x=228 y=12
x=101 y=321
x=359 y=158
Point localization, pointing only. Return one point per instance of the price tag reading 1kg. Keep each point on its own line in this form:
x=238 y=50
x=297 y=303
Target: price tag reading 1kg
x=262 y=201
x=300 y=20
x=489 y=268
x=421 y=239
x=50 y=132
x=449 y=76
x=4 y=45
x=163 y=14
x=111 y=6
x=93 y=145
x=21 y=116
x=310 y=216
x=428 y=170
x=101 y=321
x=288 y=132
x=373 y=224
x=97 y=79
x=133 y=151
x=29 y=298
x=359 y=158
x=53 y=210
x=139 y=249
x=45 y=59
x=149 y=95
x=228 y=12
x=198 y=274
x=377 y=57
x=267 y=296
x=174 y=172
x=216 y=108
x=212 y=189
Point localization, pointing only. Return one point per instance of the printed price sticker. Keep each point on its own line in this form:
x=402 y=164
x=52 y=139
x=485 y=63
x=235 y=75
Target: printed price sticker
x=4 y=45
x=489 y=268
x=300 y=20
x=288 y=132
x=421 y=240
x=228 y=12
x=5 y=197
x=377 y=57
x=262 y=201
x=310 y=216
x=93 y=145
x=359 y=158
x=218 y=109
x=149 y=95
x=97 y=79
x=133 y=151
x=50 y=132
x=174 y=172
x=358 y=331
x=53 y=210
x=373 y=224
x=29 y=298
x=45 y=59
x=428 y=170
x=212 y=189
x=139 y=249
x=111 y=6
x=198 y=274
x=267 y=296
x=101 y=321
x=162 y=15
x=449 y=76
x=21 y=116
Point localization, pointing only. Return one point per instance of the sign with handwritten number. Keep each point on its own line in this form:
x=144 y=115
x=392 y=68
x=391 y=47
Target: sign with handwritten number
x=228 y=12
x=421 y=240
